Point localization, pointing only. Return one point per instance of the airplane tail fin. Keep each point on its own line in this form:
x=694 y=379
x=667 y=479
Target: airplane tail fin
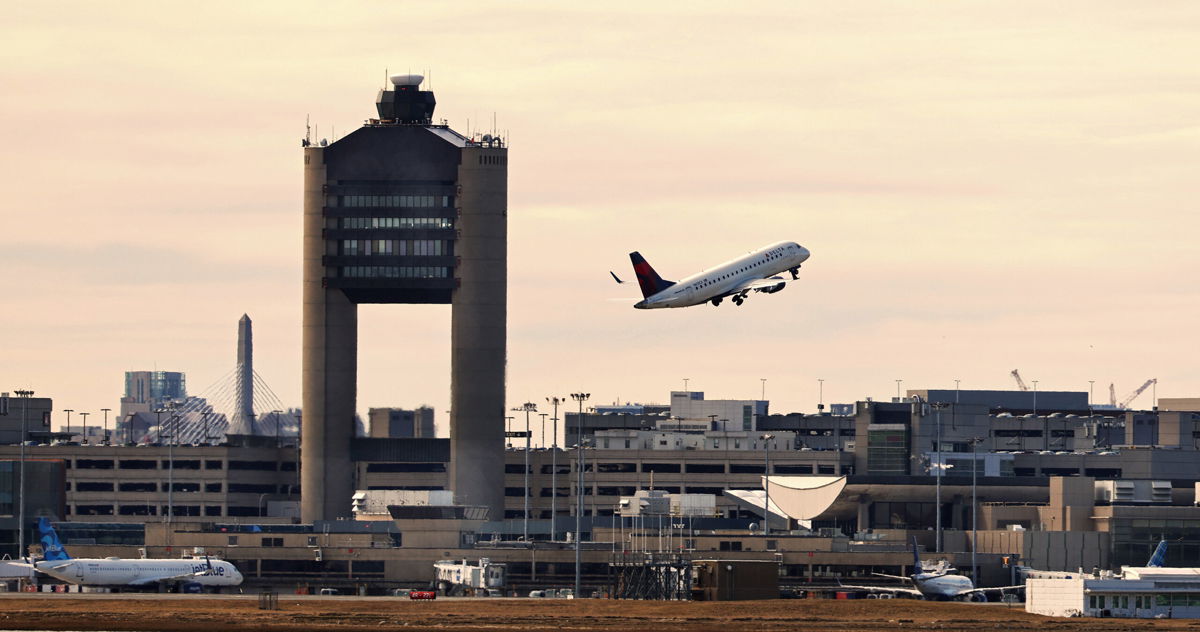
x=916 y=557
x=1160 y=555
x=647 y=278
x=52 y=548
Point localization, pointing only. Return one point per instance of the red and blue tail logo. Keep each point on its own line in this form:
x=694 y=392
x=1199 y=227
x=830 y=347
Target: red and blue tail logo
x=648 y=279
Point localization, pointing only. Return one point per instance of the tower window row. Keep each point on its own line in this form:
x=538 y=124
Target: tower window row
x=395 y=247
x=396 y=272
x=397 y=222
x=398 y=201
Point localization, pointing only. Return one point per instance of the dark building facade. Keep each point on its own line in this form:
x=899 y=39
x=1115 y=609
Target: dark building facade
x=404 y=211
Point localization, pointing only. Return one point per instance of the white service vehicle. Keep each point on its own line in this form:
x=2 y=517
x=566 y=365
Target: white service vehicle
x=463 y=578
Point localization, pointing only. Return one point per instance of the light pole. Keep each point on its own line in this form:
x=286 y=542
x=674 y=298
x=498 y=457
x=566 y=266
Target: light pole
x=83 y=435
x=24 y=395
x=820 y=395
x=581 y=398
x=766 y=486
x=528 y=407
x=956 y=390
x=764 y=388
x=1091 y=388
x=939 y=469
x=898 y=388
x=543 y=416
x=171 y=472
x=68 y=411
x=554 y=401
x=974 y=513
x=105 y=411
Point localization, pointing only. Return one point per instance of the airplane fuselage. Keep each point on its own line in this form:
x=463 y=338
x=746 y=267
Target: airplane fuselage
x=121 y=572
x=725 y=279
x=943 y=586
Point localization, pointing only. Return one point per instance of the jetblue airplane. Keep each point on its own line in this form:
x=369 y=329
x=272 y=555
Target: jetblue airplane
x=935 y=582
x=114 y=571
x=753 y=272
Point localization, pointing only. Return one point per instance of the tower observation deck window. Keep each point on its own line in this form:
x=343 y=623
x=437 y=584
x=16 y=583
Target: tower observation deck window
x=395 y=247
x=395 y=272
x=368 y=223
x=394 y=201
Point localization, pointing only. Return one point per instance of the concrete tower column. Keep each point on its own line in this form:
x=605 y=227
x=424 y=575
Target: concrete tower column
x=478 y=331
x=330 y=364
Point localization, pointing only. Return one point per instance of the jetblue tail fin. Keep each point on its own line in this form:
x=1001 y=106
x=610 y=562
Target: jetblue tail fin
x=1160 y=555
x=52 y=548
x=647 y=278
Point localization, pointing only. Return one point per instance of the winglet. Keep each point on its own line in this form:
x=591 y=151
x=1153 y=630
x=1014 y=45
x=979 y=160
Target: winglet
x=614 y=276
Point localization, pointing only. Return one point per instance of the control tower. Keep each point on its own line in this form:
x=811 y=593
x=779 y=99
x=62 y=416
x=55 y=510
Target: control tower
x=404 y=211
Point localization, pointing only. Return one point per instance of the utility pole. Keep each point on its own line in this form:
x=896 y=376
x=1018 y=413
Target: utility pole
x=581 y=398
x=24 y=395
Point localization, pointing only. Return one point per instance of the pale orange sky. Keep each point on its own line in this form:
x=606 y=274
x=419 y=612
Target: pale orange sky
x=984 y=186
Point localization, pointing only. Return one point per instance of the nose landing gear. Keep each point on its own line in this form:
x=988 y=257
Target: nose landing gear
x=795 y=273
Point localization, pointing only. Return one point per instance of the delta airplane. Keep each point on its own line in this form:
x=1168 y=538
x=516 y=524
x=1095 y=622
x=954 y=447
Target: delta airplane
x=935 y=582
x=114 y=571
x=753 y=272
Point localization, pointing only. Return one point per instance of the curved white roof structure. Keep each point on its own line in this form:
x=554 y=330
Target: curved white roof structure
x=805 y=497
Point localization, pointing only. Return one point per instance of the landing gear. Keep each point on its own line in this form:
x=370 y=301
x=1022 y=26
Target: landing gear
x=737 y=300
x=795 y=273
x=716 y=301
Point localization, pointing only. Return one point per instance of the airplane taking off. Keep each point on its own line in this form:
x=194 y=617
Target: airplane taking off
x=114 y=571
x=935 y=582
x=753 y=272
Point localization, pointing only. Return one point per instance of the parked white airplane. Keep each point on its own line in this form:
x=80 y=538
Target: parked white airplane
x=114 y=571
x=753 y=272
x=935 y=582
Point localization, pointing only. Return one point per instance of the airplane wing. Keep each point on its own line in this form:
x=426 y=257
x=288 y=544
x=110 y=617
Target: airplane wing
x=146 y=581
x=994 y=589
x=760 y=285
x=881 y=589
x=900 y=577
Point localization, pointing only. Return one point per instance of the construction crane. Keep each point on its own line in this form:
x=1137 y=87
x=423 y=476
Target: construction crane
x=1020 y=383
x=1134 y=395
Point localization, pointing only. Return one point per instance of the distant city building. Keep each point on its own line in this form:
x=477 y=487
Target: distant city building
x=147 y=391
x=400 y=423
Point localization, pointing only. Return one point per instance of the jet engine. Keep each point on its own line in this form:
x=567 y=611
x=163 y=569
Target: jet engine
x=774 y=288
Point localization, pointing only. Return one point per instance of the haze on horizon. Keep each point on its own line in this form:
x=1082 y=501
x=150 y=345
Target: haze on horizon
x=983 y=187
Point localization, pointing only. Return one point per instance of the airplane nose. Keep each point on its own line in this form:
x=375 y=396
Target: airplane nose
x=804 y=253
